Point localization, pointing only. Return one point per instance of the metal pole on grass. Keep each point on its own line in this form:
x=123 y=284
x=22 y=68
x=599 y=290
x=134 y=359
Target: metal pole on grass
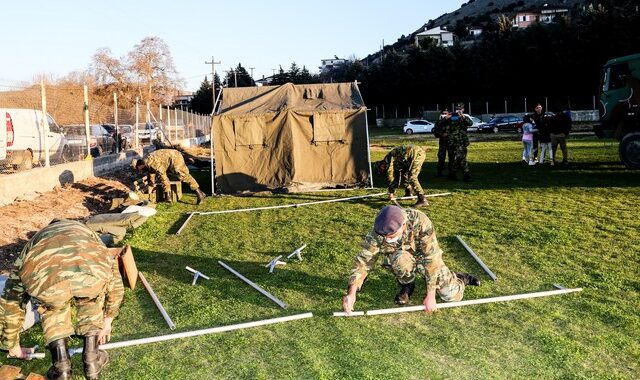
x=253 y=285
x=476 y=258
x=155 y=299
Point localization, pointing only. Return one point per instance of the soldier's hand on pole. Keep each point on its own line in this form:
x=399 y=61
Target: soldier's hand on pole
x=105 y=333
x=347 y=303
x=23 y=353
x=429 y=302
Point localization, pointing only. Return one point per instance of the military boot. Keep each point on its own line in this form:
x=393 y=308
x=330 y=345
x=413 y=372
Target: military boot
x=468 y=279
x=422 y=201
x=452 y=176
x=408 y=192
x=439 y=172
x=61 y=368
x=93 y=358
x=201 y=195
x=467 y=177
x=406 y=290
x=168 y=196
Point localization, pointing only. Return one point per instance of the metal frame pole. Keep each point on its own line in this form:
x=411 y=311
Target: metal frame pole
x=45 y=125
x=477 y=258
x=253 y=285
x=86 y=120
x=155 y=299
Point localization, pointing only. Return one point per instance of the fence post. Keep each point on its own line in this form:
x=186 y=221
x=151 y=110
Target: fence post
x=160 y=111
x=525 y=105
x=175 y=114
x=115 y=118
x=487 y=106
x=594 y=102
x=86 y=120
x=168 y=124
x=396 y=109
x=546 y=104
x=469 y=108
x=505 y=106
x=45 y=124
x=137 y=121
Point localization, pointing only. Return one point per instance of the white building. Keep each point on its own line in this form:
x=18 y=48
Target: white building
x=443 y=37
x=331 y=63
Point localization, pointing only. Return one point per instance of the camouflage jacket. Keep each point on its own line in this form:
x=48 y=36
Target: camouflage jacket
x=456 y=128
x=159 y=161
x=62 y=261
x=440 y=129
x=419 y=239
x=400 y=159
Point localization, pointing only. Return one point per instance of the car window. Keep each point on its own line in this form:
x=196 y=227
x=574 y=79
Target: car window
x=420 y=122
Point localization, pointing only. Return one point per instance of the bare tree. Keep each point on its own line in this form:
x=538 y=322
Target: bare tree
x=151 y=64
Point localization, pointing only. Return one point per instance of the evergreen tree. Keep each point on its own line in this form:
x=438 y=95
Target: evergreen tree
x=202 y=100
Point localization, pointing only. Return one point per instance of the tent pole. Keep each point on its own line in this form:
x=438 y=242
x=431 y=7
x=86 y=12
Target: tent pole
x=366 y=124
x=254 y=285
x=476 y=258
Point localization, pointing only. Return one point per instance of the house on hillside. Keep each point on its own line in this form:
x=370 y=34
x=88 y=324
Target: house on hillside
x=441 y=36
x=182 y=99
x=544 y=15
x=330 y=64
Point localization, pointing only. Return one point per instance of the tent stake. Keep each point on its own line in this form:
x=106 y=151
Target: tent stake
x=187 y=334
x=253 y=285
x=476 y=258
x=446 y=305
x=155 y=299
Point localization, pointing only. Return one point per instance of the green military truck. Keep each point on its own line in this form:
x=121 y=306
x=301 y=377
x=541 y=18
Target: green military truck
x=620 y=107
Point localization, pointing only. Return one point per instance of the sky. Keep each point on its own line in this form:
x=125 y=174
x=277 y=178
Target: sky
x=59 y=37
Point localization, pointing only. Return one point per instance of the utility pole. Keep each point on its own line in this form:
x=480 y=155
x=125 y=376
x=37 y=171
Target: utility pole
x=235 y=78
x=213 y=64
x=251 y=68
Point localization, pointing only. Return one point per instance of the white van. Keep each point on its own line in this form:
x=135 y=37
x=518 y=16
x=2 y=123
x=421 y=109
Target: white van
x=21 y=141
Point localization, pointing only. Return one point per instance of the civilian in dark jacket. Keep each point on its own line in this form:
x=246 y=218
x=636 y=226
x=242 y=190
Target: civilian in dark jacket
x=540 y=121
x=559 y=130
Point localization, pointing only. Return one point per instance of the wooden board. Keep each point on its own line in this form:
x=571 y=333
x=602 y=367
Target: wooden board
x=128 y=267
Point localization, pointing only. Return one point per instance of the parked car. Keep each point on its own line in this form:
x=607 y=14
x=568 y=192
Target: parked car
x=477 y=124
x=21 y=142
x=100 y=140
x=147 y=132
x=417 y=126
x=125 y=137
x=501 y=123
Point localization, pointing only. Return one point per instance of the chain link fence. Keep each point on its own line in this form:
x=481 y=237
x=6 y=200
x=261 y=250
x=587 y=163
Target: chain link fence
x=81 y=123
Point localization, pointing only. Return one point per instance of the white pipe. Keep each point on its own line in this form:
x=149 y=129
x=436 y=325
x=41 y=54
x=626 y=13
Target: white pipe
x=196 y=272
x=256 y=287
x=352 y=314
x=155 y=299
x=475 y=302
x=477 y=259
x=291 y=205
x=191 y=214
x=187 y=334
x=426 y=196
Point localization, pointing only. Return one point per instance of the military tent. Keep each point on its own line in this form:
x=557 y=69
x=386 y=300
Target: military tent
x=291 y=136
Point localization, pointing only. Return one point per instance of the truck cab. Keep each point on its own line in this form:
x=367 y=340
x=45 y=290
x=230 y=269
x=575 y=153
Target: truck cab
x=619 y=107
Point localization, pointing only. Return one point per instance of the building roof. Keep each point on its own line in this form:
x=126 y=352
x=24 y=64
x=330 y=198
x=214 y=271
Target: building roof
x=433 y=32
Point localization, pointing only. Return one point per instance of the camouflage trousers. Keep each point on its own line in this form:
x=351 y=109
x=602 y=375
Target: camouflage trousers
x=56 y=319
x=442 y=152
x=182 y=172
x=459 y=162
x=403 y=265
x=409 y=177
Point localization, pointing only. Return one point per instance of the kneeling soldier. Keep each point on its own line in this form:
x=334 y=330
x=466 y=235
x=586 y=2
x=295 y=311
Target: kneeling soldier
x=402 y=166
x=407 y=240
x=160 y=161
x=64 y=262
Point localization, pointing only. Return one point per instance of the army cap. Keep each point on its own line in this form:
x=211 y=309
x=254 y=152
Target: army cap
x=460 y=105
x=389 y=220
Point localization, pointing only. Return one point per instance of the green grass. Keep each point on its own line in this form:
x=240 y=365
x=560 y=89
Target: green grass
x=533 y=226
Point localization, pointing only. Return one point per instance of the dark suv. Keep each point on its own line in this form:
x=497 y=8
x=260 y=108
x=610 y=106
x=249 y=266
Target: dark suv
x=501 y=123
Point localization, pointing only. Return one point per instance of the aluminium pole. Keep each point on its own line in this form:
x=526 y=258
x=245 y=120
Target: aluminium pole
x=477 y=258
x=115 y=120
x=86 y=120
x=45 y=126
x=137 y=122
x=155 y=299
x=254 y=285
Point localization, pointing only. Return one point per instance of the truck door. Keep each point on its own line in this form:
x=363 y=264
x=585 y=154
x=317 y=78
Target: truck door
x=614 y=89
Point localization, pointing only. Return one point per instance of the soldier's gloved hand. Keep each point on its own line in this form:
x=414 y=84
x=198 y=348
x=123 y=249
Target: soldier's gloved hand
x=23 y=353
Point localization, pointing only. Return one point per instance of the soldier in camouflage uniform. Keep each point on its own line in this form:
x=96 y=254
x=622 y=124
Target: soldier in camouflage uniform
x=63 y=262
x=407 y=240
x=457 y=125
x=441 y=132
x=402 y=166
x=161 y=161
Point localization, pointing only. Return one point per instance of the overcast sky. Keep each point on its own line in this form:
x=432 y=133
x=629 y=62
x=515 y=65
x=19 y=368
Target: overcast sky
x=58 y=37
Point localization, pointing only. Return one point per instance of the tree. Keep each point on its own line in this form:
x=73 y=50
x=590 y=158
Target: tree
x=202 y=101
x=151 y=64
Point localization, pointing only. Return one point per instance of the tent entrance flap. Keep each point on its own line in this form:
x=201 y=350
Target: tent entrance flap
x=249 y=131
x=328 y=127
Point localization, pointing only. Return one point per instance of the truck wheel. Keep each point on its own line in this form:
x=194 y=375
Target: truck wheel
x=630 y=150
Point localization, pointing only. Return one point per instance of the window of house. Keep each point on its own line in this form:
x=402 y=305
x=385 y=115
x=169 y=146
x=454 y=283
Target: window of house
x=249 y=131
x=328 y=127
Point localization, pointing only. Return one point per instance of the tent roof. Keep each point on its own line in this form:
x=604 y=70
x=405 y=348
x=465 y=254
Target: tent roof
x=301 y=98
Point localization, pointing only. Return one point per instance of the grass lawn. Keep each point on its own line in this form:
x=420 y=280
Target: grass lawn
x=533 y=226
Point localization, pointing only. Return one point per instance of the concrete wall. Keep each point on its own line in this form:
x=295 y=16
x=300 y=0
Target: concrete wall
x=39 y=180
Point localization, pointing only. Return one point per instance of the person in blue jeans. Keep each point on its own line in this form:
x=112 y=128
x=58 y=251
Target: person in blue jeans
x=527 y=140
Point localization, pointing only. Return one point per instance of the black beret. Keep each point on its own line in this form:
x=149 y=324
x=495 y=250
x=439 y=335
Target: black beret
x=389 y=220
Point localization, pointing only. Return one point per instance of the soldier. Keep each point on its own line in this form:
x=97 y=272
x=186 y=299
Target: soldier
x=407 y=240
x=458 y=142
x=159 y=162
x=402 y=166
x=442 y=134
x=64 y=262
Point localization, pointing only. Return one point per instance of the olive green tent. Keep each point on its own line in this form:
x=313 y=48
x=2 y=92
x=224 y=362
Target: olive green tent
x=291 y=136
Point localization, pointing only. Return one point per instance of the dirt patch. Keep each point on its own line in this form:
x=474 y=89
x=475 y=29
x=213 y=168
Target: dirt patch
x=23 y=218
